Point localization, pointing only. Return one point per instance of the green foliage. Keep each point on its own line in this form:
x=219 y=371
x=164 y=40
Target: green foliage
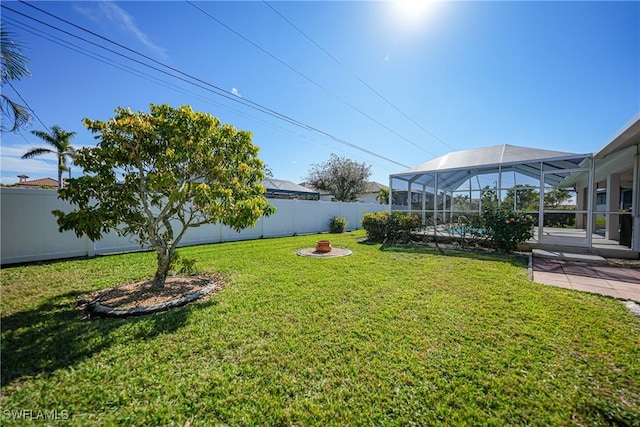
x=337 y=224
x=13 y=66
x=395 y=228
x=522 y=197
x=489 y=198
x=556 y=197
x=506 y=229
x=383 y=196
x=60 y=142
x=154 y=175
x=342 y=177
x=183 y=265
x=560 y=220
x=375 y=224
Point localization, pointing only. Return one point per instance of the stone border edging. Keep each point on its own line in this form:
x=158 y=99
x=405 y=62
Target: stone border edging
x=94 y=307
x=335 y=252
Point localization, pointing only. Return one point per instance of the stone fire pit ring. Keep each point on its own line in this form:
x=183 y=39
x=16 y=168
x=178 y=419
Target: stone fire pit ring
x=335 y=252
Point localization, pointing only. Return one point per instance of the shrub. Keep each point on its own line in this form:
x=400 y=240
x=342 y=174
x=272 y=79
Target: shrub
x=560 y=220
x=395 y=228
x=401 y=227
x=505 y=229
x=337 y=224
x=375 y=224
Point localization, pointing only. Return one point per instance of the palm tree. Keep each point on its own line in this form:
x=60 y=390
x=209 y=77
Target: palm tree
x=12 y=67
x=60 y=140
x=383 y=196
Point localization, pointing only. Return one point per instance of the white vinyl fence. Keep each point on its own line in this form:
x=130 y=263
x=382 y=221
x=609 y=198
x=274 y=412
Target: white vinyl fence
x=29 y=232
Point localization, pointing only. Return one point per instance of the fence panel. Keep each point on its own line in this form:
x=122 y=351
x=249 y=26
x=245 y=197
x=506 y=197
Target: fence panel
x=29 y=231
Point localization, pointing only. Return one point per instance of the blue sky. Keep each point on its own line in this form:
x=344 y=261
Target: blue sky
x=406 y=82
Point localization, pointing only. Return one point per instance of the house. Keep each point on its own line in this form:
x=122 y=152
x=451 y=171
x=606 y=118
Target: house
x=36 y=183
x=372 y=192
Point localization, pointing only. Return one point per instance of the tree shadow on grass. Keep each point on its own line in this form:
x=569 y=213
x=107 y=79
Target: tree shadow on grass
x=54 y=336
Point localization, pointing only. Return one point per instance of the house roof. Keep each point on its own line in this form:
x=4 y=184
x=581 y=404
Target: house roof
x=628 y=136
x=457 y=167
x=285 y=186
x=494 y=155
x=375 y=187
x=41 y=182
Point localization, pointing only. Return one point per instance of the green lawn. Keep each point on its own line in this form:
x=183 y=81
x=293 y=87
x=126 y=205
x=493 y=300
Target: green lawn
x=387 y=336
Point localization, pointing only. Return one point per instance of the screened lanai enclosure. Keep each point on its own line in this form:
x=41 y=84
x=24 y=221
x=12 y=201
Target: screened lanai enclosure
x=450 y=190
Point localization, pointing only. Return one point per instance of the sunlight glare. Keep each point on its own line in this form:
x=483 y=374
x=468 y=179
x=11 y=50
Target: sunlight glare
x=412 y=12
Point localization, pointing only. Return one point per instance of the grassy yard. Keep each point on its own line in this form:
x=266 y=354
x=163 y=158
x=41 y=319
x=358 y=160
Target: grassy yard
x=387 y=336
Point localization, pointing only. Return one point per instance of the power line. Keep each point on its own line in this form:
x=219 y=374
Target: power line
x=348 y=70
x=309 y=79
x=207 y=86
x=108 y=61
x=27 y=105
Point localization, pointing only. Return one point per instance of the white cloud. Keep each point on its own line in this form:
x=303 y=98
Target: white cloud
x=109 y=12
x=12 y=165
x=235 y=92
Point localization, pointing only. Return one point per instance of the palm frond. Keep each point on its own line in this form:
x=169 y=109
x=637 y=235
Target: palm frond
x=37 y=152
x=12 y=61
x=17 y=114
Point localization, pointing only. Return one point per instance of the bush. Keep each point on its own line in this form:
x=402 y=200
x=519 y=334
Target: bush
x=337 y=224
x=395 y=228
x=505 y=229
x=375 y=224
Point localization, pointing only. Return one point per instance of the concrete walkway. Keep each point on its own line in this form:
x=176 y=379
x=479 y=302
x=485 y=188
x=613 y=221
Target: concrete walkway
x=617 y=282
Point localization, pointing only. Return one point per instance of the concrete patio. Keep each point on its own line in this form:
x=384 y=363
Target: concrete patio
x=593 y=276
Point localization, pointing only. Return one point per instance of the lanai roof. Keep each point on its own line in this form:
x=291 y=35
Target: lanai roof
x=456 y=167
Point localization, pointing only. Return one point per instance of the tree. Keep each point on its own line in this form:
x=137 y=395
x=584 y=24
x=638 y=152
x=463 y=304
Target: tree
x=526 y=198
x=556 y=196
x=461 y=203
x=268 y=172
x=60 y=140
x=12 y=67
x=488 y=198
x=155 y=175
x=383 y=196
x=341 y=177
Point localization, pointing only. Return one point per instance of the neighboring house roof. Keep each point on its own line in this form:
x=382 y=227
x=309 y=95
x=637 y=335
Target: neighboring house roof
x=375 y=187
x=279 y=186
x=312 y=188
x=42 y=182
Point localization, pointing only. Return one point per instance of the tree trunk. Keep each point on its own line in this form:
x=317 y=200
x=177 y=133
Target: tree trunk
x=164 y=263
x=60 y=186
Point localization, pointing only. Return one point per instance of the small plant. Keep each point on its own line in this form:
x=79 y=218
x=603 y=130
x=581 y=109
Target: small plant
x=183 y=265
x=506 y=229
x=337 y=224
